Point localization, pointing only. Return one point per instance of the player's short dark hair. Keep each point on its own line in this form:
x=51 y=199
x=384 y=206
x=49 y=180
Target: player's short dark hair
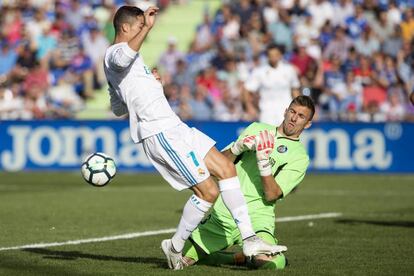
x=279 y=47
x=126 y=14
x=305 y=101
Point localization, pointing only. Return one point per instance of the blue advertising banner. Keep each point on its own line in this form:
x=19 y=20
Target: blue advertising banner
x=332 y=147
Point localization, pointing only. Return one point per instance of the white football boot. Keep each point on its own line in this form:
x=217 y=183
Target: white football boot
x=253 y=246
x=175 y=260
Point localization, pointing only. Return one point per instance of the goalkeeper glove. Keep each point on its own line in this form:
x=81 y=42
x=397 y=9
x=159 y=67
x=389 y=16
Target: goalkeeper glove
x=265 y=143
x=247 y=143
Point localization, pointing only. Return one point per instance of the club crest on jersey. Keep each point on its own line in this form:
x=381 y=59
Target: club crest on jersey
x=201 y=172
x=282 y=149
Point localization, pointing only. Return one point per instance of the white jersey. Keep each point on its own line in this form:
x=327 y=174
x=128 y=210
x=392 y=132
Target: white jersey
x=274 y=86
x=134 y=90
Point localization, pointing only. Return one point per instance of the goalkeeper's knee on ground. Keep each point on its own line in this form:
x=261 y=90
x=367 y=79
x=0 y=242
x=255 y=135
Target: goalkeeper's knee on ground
x=277 y=262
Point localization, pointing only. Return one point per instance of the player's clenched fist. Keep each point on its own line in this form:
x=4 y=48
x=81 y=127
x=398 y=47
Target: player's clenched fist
x=149 y=16
x=247 y=143
x=265 y=142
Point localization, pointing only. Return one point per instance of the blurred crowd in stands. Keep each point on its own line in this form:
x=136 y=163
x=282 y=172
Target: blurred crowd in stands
x=355 y=58
x=51 y=55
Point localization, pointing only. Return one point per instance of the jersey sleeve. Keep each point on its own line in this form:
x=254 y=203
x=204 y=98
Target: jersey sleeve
x=121 y=57
x=292 y=174
x=118 y=107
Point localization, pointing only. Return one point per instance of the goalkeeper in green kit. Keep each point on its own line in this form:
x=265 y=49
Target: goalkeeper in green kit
x=270 y=162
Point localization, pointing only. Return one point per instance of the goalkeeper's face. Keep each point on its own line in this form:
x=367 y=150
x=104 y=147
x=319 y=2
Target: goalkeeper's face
x=297 y=118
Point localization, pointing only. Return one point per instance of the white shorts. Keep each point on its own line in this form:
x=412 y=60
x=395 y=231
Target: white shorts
x=178 y=154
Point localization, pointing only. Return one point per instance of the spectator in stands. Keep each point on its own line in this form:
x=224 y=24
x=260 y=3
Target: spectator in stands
x=305 y=30
x=34 y=90
x=356 y=23
x=13 y=26
x=351 y=98
x=300 y=59
x=36 y=25
x=201 y=105
x=67 y=48
x=182 y=76
x=342 y=10
x=281 y=31
x=407 y=25
x=46 y=43
x=270 y=12
x=383 y=29
x=394 y=13
x=173 y=96
x=405 y=64
x=321 y=11
x=352 y=61
x=204 y=37
x=245 y=10
x=334 y=86
x=338 y=46
x=394 y=43
x=363 y=72
x=74 y=15
x=95 y=45
x=256 y=34
x=169 y=58
x=208 y=80
x=228 y=109
x=367 y=44
x=11 y=102
x=26 y=61
x=394 y=108
x=8 y=59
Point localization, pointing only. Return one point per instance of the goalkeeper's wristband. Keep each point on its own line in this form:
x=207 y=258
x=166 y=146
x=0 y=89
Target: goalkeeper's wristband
x=235 y=149
x=265 y=167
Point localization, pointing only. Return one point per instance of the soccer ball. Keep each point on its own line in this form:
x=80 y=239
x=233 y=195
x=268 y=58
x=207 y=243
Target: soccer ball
x=98 y=169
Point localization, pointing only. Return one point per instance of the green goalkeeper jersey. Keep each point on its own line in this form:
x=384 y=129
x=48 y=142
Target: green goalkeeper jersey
x=289 y=163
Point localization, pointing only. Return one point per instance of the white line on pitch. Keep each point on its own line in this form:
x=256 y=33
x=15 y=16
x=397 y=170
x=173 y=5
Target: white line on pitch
x=309 y=217
x=152 y=233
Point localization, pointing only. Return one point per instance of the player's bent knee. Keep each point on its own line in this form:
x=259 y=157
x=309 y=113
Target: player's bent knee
x=219 y=165
x=225 y=170
x=207 y=190
x=211 y=195
x=277 y=262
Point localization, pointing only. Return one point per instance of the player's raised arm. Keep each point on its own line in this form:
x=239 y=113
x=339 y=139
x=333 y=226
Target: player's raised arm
x=131 y=27
x=145 y=26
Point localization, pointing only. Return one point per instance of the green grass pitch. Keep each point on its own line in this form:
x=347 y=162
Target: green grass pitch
x=374 y=236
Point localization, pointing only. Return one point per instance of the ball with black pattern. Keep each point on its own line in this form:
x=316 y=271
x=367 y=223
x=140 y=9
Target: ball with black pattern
x=98 y=169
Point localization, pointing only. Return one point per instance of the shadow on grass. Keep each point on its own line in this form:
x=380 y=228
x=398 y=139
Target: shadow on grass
x=407 y=224
x=73 y=255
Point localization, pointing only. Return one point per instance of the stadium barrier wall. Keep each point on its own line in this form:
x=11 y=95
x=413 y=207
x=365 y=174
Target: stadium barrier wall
x=333 y=147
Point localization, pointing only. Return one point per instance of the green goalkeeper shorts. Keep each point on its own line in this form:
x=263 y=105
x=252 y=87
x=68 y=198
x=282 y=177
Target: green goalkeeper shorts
x=218 y=233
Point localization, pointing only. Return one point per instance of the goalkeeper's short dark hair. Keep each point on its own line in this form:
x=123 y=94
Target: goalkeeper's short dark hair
x=126 y=14
x=305 y=101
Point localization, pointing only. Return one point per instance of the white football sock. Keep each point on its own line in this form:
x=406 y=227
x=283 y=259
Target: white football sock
x=235 y=202
x=193 y=213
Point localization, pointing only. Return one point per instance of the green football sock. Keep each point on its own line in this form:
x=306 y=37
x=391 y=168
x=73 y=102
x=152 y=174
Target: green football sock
x=278 y=262
x=218 y=258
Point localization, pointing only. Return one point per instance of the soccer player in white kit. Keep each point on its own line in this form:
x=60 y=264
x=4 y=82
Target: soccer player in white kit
x=184 y=156
x=277 y=84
